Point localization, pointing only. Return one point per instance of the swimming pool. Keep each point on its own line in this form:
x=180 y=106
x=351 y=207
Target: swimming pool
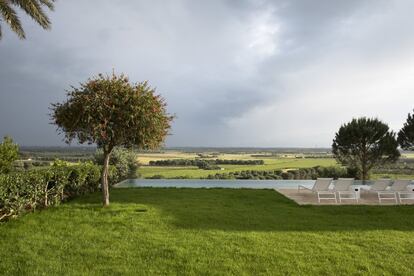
x=213 y=183
x=207 y=183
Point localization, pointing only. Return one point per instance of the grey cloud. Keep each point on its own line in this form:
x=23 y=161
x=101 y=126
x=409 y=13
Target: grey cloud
x=224 y=67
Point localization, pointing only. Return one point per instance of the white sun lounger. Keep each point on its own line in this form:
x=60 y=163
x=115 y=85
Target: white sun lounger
x=321 y=188
x=399 y=187
x=343 y=186
x=380 y=188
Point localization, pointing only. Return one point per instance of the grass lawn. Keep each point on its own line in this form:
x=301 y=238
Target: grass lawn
x=208 y=231
x=270 y=164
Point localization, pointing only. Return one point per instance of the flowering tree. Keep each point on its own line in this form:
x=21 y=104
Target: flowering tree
x=111 y=111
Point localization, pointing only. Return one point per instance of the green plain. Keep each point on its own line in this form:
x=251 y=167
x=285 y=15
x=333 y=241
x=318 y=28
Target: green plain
x=270 y=164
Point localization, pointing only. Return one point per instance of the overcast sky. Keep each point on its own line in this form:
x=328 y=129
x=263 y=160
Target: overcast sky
x=235 y=73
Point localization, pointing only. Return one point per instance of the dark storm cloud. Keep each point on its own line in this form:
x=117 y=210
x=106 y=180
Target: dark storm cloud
x=236 y=73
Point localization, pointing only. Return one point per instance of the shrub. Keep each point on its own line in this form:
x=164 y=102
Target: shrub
x=123 y=161
x=9 y=152
x=157 y=176
x=27 y=165
x=25 y=191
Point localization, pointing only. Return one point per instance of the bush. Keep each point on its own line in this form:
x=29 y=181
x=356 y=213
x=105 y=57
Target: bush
x=157 y=176
x=9 y=152
x=124 y=164
x=27 y=165
x=25 y=191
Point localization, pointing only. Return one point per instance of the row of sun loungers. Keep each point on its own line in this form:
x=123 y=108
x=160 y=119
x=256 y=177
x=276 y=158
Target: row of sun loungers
x=344 y=189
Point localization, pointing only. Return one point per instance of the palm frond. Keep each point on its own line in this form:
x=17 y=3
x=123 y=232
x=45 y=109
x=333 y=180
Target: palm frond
x=48 y=3
x=34 y=9
x=10 y=17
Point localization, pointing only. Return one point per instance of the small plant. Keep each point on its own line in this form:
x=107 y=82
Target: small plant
x=9 y=152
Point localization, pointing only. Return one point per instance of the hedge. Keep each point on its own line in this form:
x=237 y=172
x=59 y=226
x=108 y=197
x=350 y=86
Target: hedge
x=26 y=191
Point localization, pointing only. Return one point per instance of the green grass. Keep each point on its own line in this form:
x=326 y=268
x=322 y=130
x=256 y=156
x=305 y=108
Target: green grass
x=210 y=232
x=270 y=164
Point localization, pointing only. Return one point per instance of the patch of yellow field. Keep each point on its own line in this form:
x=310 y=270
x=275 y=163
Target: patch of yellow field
x=408 y=155
x=144 y=158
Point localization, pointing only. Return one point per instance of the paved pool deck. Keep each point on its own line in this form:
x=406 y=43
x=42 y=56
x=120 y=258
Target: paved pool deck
x=305 y=197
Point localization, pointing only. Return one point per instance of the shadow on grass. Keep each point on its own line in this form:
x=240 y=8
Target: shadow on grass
x=249 y=210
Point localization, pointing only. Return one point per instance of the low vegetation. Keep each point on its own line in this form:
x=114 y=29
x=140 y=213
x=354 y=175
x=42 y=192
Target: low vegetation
x=304 y=173
x=9 y=152
x=123 y=162
x=203 y=163
x=27 y=191
x=197 y=162
x=208 y=231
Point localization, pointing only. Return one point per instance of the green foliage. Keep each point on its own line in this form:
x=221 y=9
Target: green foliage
x=33 y=8
x=24 y=191
x=207 y=166
x=9 y=152
x=27 y=165
x=363 y=144
x=201 y=162
x=406 y=134
x=124 y=162
x=110 y=111
x=302 y=173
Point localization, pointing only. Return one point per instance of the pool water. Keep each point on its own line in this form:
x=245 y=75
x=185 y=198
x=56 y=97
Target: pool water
x=207 y=183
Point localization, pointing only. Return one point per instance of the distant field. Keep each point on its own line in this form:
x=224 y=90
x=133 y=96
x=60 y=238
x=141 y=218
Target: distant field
x=280 y=161
x=271 y=163
x=145 y=158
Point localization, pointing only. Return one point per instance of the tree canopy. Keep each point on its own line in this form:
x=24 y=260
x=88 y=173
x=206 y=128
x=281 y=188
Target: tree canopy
x=9 y=152
x=406 y=134
x=364 y=143
x=110 y=111
x=33 y=8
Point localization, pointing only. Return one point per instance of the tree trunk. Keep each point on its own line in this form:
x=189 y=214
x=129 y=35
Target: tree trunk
x=364 y=174
x=364 y=165
x=104 y=180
